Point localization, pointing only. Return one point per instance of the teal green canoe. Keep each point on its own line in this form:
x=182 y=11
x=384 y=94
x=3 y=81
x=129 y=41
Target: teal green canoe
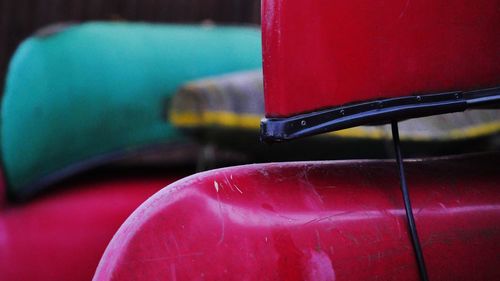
x=74 y=96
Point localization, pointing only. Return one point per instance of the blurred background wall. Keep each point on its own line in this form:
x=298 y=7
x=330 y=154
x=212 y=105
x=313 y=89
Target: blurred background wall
x=20 y=18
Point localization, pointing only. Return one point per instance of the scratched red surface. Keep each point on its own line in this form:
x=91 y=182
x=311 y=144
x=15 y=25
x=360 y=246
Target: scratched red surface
x=62 y=235
x=315 y=221
x=326 y=53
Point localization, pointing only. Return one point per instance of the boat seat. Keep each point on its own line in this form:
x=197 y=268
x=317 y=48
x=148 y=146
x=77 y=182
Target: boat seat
x=226 y=111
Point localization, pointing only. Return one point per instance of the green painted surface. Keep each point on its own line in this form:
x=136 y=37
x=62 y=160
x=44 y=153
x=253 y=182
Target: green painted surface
x=99 y=88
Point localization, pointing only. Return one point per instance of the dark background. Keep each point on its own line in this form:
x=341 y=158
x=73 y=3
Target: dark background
x=20 y=18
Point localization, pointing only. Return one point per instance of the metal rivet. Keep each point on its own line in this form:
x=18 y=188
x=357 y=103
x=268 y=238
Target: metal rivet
x=419 y=98
x=303 y=122
x=342 y=112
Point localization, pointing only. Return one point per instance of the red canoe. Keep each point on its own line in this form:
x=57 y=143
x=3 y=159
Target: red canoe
x=322 y=54
x=63 y=234
x=331 y=65
x=315 y=221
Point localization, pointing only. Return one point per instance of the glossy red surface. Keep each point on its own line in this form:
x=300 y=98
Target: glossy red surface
x=62 y=235
x=326 y=53
x=315 y=221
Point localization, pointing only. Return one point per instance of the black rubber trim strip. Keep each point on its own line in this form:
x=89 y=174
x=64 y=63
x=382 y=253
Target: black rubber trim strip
x=375 y=112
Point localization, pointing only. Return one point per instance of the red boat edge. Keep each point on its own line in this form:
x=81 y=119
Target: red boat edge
x=337 y=65
x=340 y=220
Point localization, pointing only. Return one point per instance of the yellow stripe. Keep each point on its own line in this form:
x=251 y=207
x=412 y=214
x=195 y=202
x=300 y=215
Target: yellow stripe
x=476 y=131
x=376 y=133
x=252 y=122
x=221 y=118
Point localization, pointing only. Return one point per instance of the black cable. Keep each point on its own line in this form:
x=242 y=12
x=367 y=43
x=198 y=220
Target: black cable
x=409 y=212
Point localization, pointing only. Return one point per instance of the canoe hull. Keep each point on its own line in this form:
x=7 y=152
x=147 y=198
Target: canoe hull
x=315 y=221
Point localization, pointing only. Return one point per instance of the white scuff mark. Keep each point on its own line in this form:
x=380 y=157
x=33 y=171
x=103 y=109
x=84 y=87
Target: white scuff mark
x=319 y=267
x=238 y=189
x=221 y=216
x=228 y=182
x=232 y=184
x=264 y=172
x=320 y=219
x=222 y=223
